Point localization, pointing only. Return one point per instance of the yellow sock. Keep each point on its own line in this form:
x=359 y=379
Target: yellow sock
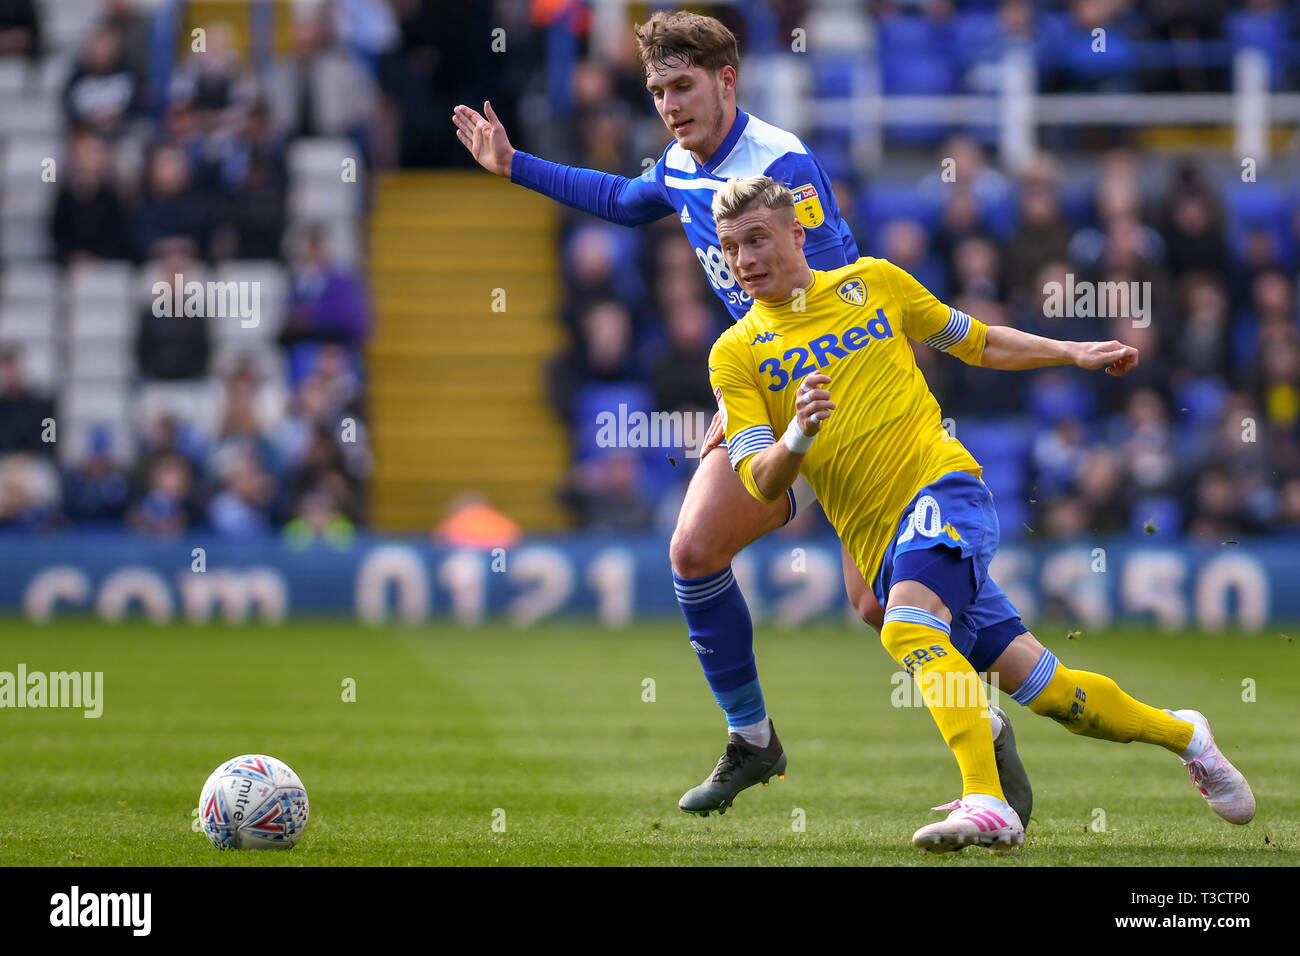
x=1094 y=706
x=952 y=691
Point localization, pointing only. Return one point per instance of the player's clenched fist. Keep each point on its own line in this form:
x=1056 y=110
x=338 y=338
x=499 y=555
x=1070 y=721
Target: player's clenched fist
x=1115 y=357
x=813 y=405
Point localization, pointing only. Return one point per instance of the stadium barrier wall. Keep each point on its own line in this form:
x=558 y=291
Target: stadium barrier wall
x=611 y=579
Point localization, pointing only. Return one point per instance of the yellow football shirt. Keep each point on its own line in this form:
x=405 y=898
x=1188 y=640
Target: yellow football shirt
x=884 y=441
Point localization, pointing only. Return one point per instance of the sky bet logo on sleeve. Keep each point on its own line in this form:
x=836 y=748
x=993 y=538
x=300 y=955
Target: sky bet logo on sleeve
x=808 y=207
x=795 y=364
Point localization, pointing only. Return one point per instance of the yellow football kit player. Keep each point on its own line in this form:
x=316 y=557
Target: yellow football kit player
x=906 y=499
x=870 y=459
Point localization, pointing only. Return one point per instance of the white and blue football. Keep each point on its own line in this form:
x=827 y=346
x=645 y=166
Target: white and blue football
x=253 y=802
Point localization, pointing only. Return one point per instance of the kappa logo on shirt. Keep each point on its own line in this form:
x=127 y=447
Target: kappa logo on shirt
x=765 y=337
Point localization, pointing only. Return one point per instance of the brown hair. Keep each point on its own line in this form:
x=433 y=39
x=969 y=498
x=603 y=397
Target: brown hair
x=687 y=38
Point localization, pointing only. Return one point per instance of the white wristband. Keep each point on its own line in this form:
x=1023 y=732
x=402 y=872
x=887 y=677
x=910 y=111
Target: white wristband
x=795 y=439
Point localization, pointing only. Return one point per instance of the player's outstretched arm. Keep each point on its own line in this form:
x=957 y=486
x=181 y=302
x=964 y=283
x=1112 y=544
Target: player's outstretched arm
x=627 y=202
x=1012 y=350
x=769 y=473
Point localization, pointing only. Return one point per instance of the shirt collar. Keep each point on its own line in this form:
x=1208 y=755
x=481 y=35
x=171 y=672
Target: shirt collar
x=729 y=143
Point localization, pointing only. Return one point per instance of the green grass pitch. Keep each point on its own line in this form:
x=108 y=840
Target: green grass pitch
x=549 y=725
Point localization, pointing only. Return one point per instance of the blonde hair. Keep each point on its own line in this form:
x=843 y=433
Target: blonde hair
x=738 y=195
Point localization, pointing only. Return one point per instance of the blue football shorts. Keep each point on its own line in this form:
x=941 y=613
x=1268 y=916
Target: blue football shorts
x=945 y=539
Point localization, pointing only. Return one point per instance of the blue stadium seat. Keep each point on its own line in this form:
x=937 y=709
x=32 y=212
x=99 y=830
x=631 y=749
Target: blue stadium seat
x=1203 y=398
x=976 y=35
x=1013 y=514
x=1002 y=214
x=1258 y=205
x=594 y=399
x=916 y=58
x=1056 y=396
x=883 y=202
x=1077 y=203
x=1266 y=31
x=833 y=77
x=1001 y=445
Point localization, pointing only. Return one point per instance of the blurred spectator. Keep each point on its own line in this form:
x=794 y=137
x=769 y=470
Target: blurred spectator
x=471 y=522
x=166 y=435
x=133 y=22
x=603 y=354
x=183 y=128
x=1192 y=223
x=679 y=371
x=960 y=220
x=1057 y=456
x=327 y=303
x=240 y=434
x=1204 y=344
x=23 y=413
x=905 y=244
x=341 y=382
x=1218 y=510
x=214 y=82
x=96 y=492
x=317 y=517
x=89 y=219
x=605 y=493
x=20 y=29
x=242 y=508
x=1288 y=512
x=976 y=270
x=103 y=93
x=1041 y=237
x=1147 y=445
x=1103 y=491
x=168 y=208
x=171 y=348
x=167 y=508
x=962 y=164
x=29 y=493
x=319 y=90
x=254 y=185
x=592 y=252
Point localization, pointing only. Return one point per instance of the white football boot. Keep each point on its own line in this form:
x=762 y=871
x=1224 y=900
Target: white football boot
x=1221 y=784
x=971 y=825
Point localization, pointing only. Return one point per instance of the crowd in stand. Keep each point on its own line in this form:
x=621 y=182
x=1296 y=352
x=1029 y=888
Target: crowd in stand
x=179 y=181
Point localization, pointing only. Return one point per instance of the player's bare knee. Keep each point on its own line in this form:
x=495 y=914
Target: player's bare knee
x=694 y=555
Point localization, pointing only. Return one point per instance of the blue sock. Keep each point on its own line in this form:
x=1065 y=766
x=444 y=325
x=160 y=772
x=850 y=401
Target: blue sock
x=723 y=637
